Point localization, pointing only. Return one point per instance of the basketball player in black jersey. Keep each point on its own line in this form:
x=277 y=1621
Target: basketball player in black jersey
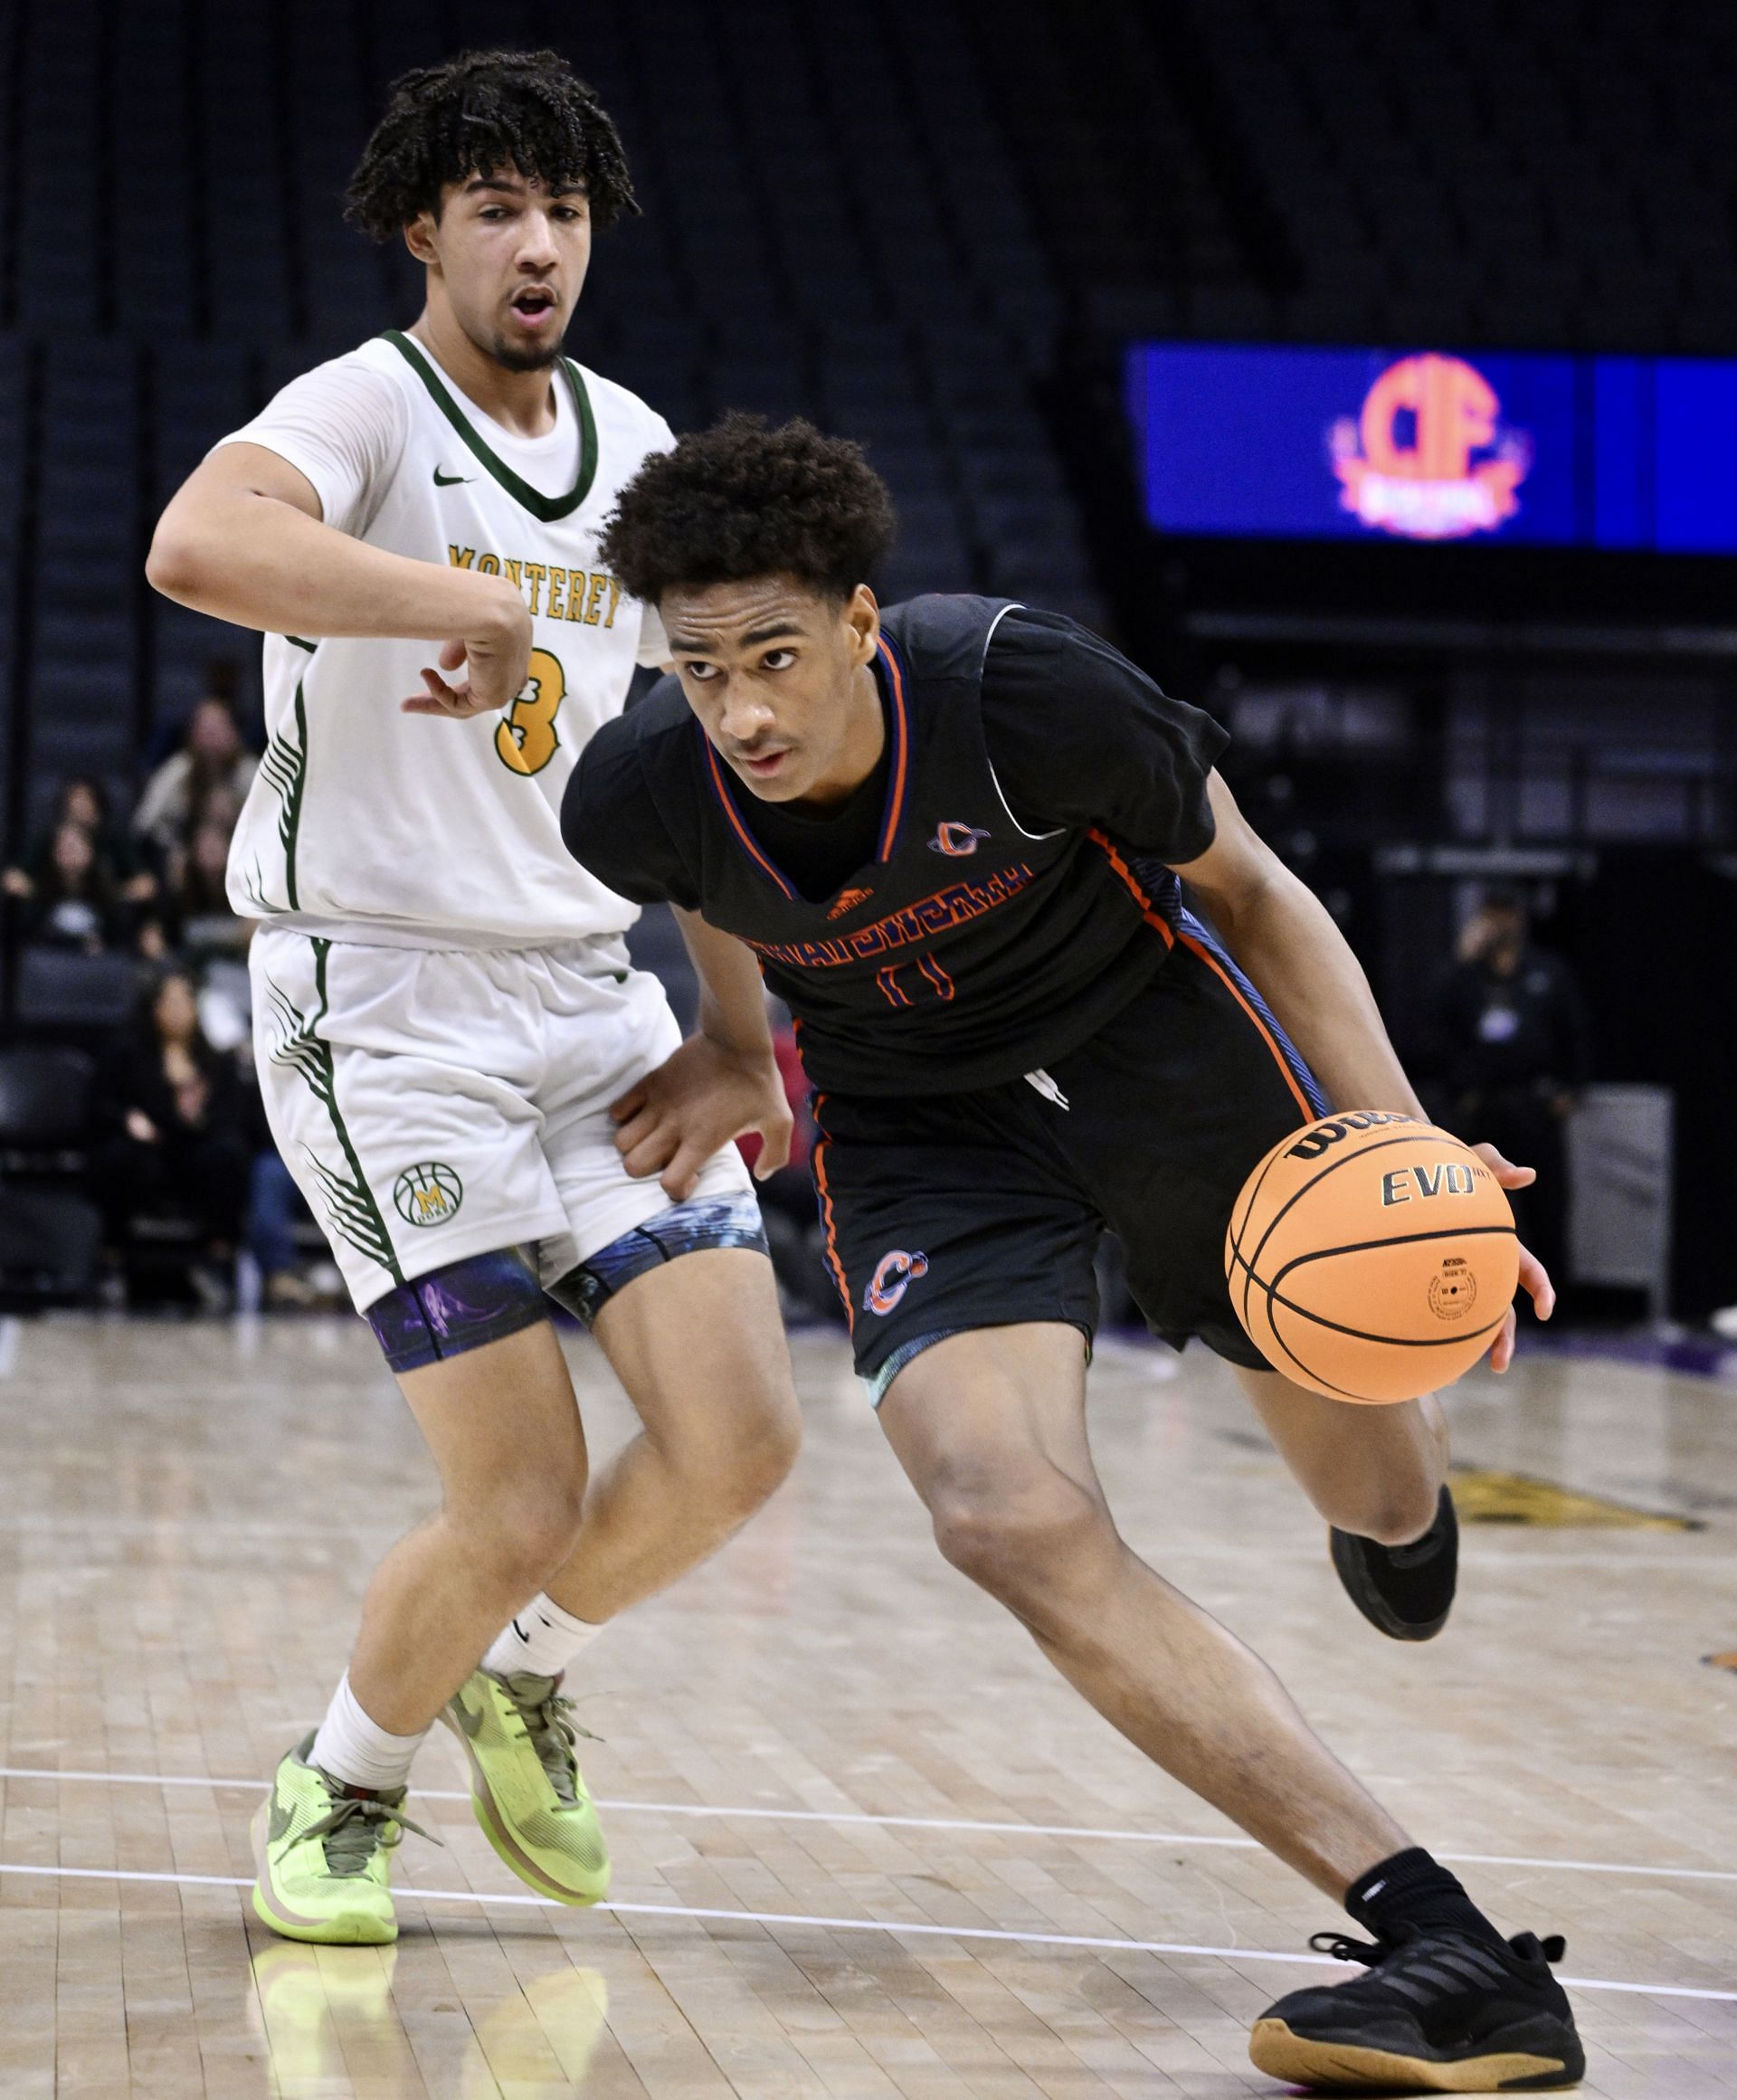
x=957 y=835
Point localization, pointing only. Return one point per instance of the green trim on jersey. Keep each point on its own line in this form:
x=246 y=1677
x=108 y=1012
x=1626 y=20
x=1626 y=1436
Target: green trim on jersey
x=547 y=508
x=285 y=771
x=309 y=646
x=349 y=1202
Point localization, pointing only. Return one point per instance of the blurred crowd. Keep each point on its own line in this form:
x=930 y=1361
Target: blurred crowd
x=176 y=1133
x=194 y=1202
x=153 y=882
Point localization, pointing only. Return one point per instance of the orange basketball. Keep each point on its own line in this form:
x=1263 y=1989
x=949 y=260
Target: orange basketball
x=1371 y=1257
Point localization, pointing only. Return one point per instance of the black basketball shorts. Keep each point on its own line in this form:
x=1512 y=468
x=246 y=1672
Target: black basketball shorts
x=949 y=1211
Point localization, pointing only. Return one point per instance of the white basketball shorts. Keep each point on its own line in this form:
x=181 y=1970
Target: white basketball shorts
x=437 y=1103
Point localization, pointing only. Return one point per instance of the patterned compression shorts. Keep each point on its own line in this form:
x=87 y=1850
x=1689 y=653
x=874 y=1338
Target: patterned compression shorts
x=485 y=1297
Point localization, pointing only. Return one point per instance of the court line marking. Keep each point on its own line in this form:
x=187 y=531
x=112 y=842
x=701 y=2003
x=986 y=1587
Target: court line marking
x=858 y=1816
x=896 y=1930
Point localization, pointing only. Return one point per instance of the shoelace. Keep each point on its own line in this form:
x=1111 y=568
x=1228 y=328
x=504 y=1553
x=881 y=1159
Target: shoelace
x=1397 y=1950
x=1344 y=1948
x=355 y=1828
x=552 y=1732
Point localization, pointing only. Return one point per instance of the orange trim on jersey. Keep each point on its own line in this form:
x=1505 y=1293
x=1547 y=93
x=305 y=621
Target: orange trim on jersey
x=832 y=1262
x=1234 y=990
x=1171 y=934
x=742 y=831
x=901 y=755
x=1149 y=911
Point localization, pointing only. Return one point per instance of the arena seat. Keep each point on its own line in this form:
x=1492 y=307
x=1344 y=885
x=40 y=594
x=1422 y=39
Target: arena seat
x=898 y=247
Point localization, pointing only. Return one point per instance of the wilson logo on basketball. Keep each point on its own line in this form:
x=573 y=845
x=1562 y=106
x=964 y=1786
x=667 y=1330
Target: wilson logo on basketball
x=894 y=1275
x=1316 y=1140
x=1429 y=458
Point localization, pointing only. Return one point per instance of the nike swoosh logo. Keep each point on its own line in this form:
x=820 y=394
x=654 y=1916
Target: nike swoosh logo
x=448 y=481
x=470 y=1722
x=281 y=1819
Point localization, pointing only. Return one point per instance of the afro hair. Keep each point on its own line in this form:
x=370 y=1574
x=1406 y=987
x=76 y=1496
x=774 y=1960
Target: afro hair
x=479 y=112
x=741 y=501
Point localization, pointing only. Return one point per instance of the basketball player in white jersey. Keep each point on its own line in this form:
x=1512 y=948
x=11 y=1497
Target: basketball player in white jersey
x=449 y=1032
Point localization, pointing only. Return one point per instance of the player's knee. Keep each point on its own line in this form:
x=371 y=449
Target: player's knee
x=744 y=1458
x=761 y=1461
x=524 y=1525
x=1016 y=1535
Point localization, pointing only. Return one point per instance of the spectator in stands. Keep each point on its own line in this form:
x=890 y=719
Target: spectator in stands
x=178 y=1130
x=202 y=926
x=273 y=1206
x=206 y=936
x=212 y=760
x=82 y=801
x=74 y=903
x=1512 y=1051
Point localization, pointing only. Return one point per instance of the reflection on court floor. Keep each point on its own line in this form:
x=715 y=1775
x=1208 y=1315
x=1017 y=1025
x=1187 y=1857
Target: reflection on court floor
x=867 y=1845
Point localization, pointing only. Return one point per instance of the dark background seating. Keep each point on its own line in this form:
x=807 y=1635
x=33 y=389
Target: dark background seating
x=934 y=225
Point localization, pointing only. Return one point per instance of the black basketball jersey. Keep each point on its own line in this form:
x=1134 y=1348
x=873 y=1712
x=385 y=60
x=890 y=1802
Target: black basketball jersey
x=969 y=951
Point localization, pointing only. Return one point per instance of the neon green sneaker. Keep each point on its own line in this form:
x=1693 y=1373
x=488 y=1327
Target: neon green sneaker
x=526 y=1786
x=324 y=1857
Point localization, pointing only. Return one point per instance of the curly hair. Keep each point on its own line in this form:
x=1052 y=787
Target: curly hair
x=741 y=501
x=479 y=112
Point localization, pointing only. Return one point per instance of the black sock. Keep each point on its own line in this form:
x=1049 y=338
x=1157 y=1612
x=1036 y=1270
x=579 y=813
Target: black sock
x=1412 y=1888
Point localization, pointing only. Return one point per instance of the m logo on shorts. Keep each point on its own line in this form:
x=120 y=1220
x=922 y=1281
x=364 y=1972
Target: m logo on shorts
x=428 y=1194
x=894 y=1275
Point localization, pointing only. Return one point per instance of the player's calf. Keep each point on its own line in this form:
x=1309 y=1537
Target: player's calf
x=1375 y=1472
x=1377 y=1476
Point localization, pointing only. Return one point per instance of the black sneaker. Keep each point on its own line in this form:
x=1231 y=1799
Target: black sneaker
x=1440 y=2011
x=1407 y=1591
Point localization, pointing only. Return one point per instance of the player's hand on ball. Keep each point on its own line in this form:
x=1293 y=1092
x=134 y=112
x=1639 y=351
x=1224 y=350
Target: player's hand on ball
x=494 y=655
x=700 y=1098
x=1534 y=1280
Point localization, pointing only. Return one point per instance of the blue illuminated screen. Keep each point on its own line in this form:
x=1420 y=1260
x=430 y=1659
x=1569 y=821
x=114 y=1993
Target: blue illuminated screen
x=1635 y=453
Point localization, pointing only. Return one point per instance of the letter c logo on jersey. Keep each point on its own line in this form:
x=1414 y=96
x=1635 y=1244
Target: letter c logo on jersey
x=956 y=839
x=894 y=1275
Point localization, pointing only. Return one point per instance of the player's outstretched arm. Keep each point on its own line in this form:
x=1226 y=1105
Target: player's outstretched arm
x=1285 y=938
x=243 y=540
x=723 y=1082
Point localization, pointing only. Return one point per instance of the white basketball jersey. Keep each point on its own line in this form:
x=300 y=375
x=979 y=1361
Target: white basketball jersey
x=368 y=824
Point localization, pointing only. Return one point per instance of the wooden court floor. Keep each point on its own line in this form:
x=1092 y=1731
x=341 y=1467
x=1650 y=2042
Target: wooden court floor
x=865 y=1845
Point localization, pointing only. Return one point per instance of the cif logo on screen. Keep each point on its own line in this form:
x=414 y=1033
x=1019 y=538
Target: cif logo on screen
x=1429 y=457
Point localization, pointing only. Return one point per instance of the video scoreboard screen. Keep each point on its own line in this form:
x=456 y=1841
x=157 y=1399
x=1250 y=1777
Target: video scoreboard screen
x=1271 y=441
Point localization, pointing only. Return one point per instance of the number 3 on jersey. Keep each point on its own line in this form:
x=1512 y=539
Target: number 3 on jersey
x=525 y=736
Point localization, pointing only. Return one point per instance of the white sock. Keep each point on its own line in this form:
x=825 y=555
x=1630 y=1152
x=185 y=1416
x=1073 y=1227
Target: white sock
x=358 y=1751
x=542 y=1639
